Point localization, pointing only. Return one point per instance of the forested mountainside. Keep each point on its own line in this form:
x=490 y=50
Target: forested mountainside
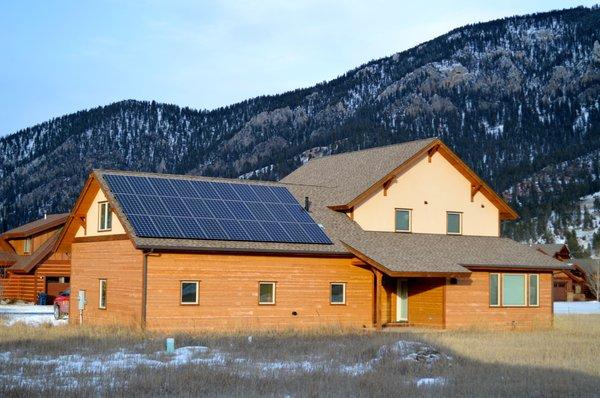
x=517 y=98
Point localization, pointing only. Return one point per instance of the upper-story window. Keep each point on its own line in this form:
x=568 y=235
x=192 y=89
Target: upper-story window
x=104 y=216
x=27 y=246
x=454 y=223
x=403 y=220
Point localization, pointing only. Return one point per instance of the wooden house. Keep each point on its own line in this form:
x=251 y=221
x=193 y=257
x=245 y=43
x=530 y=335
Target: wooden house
x=394 y=236
x=567 y=284
x=28 y=263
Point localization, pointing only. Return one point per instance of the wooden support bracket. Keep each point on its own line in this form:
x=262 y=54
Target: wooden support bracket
x=474 y=190
x=386 y=185
x=432 y=152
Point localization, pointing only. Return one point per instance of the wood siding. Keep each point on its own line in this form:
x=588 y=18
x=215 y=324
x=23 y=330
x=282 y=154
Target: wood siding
x=228 y=298
x=467 y=305
x=121 y=265
x=426 y=301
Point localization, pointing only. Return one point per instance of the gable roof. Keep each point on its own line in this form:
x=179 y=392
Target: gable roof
x=551 y=248
x=7 y=258
x=355 y=175
x=28 y=263
x=395 y=253
x=43 y=224
x=589 y=265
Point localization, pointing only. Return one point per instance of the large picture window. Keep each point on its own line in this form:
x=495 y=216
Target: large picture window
x=403 y=220
x=104 y=216
x=266 y=292
x=514 y=289
x=189 y=292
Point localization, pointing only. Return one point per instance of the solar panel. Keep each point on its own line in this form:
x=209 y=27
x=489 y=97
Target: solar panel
x=196 y=209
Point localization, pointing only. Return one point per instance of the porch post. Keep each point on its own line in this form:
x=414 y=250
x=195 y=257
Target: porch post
x=378 y=288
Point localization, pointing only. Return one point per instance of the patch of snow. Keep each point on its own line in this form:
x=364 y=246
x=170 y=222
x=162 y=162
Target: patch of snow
x=430 y=381
x=576 y=307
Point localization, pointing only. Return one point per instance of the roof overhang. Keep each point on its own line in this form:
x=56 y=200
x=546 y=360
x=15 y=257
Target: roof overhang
x=396 y=274
x=478 y=185
x=45 y=226
x=521 y=268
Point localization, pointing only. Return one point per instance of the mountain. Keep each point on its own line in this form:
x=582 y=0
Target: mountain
x=517 y=98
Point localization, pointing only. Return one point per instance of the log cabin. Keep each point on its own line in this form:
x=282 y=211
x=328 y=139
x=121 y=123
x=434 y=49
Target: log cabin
x=402 y=235
x=29 y=265
x=567 y=284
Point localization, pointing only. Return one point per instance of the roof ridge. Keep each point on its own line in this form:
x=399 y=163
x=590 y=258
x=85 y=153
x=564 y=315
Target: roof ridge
x=374 y=148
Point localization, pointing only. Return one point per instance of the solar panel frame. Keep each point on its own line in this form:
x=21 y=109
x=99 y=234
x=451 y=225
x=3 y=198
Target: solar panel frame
x=177 y=208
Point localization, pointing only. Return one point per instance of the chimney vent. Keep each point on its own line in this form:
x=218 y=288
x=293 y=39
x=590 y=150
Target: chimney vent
x=306 y=203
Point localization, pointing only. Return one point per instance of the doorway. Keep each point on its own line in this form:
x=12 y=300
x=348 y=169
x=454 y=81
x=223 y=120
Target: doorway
x=402 y=301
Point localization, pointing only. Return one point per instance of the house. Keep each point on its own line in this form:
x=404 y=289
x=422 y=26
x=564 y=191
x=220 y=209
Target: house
x=589 y=268
x=567 y=284
x=403 y=235
x=28 y=263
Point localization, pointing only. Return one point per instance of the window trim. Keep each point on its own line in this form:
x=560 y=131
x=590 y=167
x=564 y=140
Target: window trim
x=537 y=276
x=343 y=284
x=498 y=287
x=274 y=301
x=108 y=212
x=102 y=281
x=460 y=222
x=409 y=230
x=27 y=245
x=197 y=301
x=526 y=290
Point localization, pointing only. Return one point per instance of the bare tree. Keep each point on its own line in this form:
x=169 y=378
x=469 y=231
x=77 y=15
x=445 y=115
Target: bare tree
x=592 y=278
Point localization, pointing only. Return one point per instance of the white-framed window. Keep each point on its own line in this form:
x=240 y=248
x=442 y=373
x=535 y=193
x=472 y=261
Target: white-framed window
x=27 y=246
x=454 y=223
x=337 y=293
x=102 y=294
x=189 y=292
x=104 y=216
x=494 y=290
x=534 y=290
x=266 y=292
x=403 y=220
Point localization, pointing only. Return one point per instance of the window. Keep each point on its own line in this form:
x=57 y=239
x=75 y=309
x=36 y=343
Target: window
x=454 y=223
x=403 y=220
x=102 y=295
x=513 y=290
x=189 y=292
x=494 y=290
x=338 y=293
x=266 y=293
x=104 y=216
x=534 y=291
x=27 y=246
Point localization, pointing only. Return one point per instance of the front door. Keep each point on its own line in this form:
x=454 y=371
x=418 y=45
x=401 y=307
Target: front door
x=402 y=301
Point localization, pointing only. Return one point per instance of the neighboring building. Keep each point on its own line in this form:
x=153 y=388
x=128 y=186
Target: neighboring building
x=567 y=284
x=28 y=263
x=400 y=235
x=590 y=271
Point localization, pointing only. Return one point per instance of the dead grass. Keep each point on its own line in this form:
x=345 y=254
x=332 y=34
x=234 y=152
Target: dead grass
x=559 y=362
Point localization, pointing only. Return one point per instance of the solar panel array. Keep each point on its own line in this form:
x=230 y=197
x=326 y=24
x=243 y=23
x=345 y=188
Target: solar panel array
x=196 y=209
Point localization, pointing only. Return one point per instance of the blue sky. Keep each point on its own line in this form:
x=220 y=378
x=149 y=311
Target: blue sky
x=58 y=57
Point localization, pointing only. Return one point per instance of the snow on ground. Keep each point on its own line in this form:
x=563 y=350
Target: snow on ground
x=67 y=368
x=29 y=314
x=576 y=307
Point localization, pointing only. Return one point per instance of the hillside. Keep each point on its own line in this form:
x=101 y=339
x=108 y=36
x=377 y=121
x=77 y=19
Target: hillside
x=516 y=98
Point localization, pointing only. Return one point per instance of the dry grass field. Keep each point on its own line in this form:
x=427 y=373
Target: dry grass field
x=71 y=361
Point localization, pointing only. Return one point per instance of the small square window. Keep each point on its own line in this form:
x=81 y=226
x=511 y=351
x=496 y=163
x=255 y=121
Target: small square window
x=189 y=292
x=454 y=223
x=403 y=220
x=266 y=292
x=102 y=295
x=338 y=293
x=104 y=216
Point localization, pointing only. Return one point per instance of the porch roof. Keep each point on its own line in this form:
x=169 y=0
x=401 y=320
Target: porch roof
x=445 y=254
